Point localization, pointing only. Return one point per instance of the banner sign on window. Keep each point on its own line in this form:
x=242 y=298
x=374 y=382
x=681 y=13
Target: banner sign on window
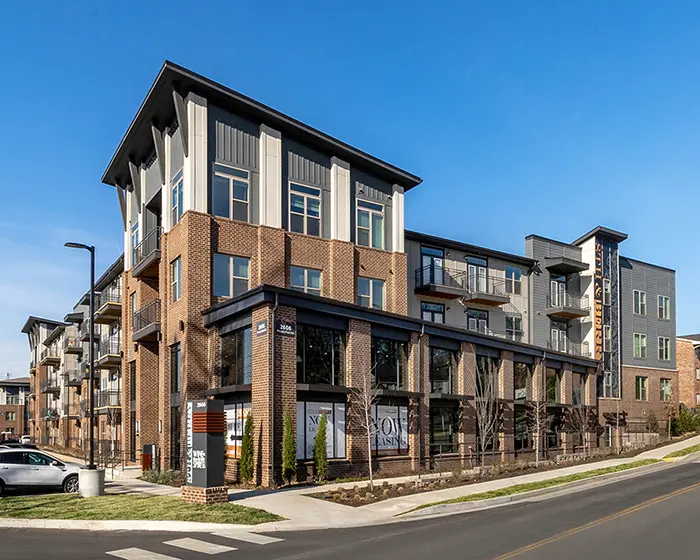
x=308 y=418
x=236 y=415
x=391 y=429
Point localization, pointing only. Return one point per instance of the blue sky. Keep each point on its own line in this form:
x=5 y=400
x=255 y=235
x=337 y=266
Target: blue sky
x=538 y=117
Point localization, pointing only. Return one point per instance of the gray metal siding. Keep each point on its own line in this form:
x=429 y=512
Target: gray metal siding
x=655 y=282
x=177 y=154
x=308 y=167
x=371 y=189
x=235 y=142
x=152 y=180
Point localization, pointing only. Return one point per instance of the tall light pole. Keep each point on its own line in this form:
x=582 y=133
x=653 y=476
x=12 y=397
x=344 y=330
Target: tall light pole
x=91 y=250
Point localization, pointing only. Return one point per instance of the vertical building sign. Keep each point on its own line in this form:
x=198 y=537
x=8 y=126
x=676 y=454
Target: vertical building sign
x=598 y=300
x=190 y=448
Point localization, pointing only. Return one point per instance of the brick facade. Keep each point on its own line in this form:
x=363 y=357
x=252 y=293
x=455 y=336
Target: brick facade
x=687 y=363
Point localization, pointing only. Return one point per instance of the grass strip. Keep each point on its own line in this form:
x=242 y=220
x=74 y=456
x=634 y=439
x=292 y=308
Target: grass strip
x=128 y=507
x=683 y=452
x=541 y=484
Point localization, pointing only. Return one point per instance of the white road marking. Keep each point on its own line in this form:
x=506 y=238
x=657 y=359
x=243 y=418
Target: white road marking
x=139 y=554
x=199 y=546
x=254 y=538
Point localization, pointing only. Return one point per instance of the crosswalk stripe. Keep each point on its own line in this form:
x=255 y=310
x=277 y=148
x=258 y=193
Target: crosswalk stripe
x=199 y=546
x=139 y=554
x=255 y=538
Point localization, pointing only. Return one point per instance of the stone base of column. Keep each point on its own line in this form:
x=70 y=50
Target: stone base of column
x=205 y=496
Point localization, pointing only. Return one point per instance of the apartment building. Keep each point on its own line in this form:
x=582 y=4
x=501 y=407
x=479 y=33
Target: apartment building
x=14 y=411
x=266 y=265
x=688 y=364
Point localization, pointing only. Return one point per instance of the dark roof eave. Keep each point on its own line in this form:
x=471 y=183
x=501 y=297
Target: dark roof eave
x=602 y=231
x=54 y=333
x=114 y=270
x=139 y=135
x=32 y=320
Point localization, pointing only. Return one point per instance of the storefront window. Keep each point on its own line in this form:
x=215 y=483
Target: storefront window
x=308 y=418
x=578 y=388
x=522 y=381
x=444 y=430
x=487 y=377
x=523 y=439
x=553 y=386
x=441 y=364
x=389 y=363
x=320 y=356
x=237 y=358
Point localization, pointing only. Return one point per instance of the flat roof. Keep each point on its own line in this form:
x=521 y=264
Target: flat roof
x=647 y=264
x=158 y=108
x=114 y=270
x=15 y=381
x=32 y=320
x=467 y=248
x=601 y=231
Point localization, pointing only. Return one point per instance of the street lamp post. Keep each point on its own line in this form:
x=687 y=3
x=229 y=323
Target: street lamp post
x=91 y=356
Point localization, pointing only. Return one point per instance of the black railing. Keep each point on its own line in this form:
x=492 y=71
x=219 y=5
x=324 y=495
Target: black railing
x=567 y=300
x=146 y=316
x=568 y=347
x=149 y=245
x=50 y=384
x=85 y=326
x=73 y=375
x=109 y=296
x=49 y=353
x=72 y=343
x=110 y=346
x=440 y=276
x=49 y=413
x=109 y=397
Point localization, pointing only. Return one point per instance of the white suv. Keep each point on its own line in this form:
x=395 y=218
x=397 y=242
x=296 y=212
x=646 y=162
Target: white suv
x=26 y=468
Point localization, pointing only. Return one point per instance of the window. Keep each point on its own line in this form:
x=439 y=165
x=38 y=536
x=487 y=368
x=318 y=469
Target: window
x=640 y=388
x=370 y=293
x=39 y=459
x=175 y=284
x=578 y=390
x=697 y=373
x=553 y=385
x=134 y=241
x=514 y=327
x=230 y=193
x=523 y=438
x=558 y=340
x=607 y=291
x=175 y=432
x=513 y=280
x=304 y=210
x=441 y=371
x=132 y=304
x=320 y=355
x=476 y=274
x=640 y=302
x=444 y=430
x=175 y=368
x=478 y=321
x=231 y=275
x=434 y=312
x=132 y=381
x=607 y=338
x=388 y=363
x=640 y=345
x=664 y=389
x=305 y=279
x=13 y=458
x=486 y=377
x=697 y=399
x=10 y=416
x=370 y=224
x=664 y=349
x=132 y=436
x=664 y=307
x=522 y=381
x=237 y=358
x=176 y=198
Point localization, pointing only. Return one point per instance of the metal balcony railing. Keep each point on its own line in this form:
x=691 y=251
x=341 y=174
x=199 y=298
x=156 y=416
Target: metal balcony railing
x=50 y=384
x=72 y=343
x=440 y=276
x=109 y=398
x=49 y=353
x=149 y=245
x=568 y=347
x=71 y=409
x=108 y=296
x=110 y=346
x=146 y=316
x=85 y=328
x=485 y=285
x=73 y=375
x=567 y=300
x=49 y=413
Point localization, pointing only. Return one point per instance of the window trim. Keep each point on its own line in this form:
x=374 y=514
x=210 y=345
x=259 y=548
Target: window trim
x=305 y=288
x=231 y=177
x=362 y=205
x=642 y=301
x=176 y=202
x=607 y=338
x=175 y=280
x=372 y=282
x=641 y=388
x=175 y=351
x=512 y=282
x=662 y=393
x=607 y=291
x=642 y=347
x=231 y=277
x=432 y=312
x=666 y=349
x=305 y=196
x=663 y=308
x=513 y=333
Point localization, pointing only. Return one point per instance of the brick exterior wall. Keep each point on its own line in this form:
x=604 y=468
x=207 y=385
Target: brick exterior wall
x=18 y=425
x=687 y=363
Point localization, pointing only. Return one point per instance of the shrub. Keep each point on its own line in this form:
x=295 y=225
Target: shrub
x=289 y=450
x=685 y=421
x=247 y=460
x=320 y=457
x=169 y=478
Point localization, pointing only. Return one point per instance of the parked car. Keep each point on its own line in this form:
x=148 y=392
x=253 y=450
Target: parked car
x=16 y=445
x=26 y=468
x=25 y=439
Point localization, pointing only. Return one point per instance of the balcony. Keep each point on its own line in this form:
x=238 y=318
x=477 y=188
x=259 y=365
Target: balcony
x=564 y=265
x=567 y=306
x=71 y=410
x=146 y=323
x=85 y=329
x=450 y=283
x=72 y=345
x=73 y=376
x=109 y=352
x=50 y=357
x=108 y=306
x=50 y=386
x=146 y=256
x=49 y=413
x=567 y=347
x=32 y=367
x=109 y=398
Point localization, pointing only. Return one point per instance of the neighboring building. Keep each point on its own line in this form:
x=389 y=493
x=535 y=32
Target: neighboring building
x=688 y=362
x=14 y=397
x=256 y=246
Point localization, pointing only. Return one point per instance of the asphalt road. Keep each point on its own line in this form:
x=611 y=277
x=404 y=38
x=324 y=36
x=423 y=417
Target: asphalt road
x=650 y=516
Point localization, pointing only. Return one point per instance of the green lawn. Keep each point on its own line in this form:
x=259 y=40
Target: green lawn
x=683 y=452
x=128 y=507
x=529 y=486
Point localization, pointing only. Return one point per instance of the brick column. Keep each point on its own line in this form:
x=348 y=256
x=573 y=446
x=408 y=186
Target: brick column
x=358 y=363
x=418 y=372
x=466 y=386
x=590 y=398
x=566 y=396
x=506 y=435
x=539 y=395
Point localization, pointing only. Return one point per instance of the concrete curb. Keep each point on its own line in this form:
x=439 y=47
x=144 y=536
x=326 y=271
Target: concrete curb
x=569 y=487
x=123 y=525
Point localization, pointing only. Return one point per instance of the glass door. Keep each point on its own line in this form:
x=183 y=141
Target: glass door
x=476 y=275
x=557 y=292
x=432 y=265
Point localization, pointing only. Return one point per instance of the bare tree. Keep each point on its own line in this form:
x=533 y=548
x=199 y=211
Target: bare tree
x=363 y=396
x=580 y=423
x=484 y=387
x=537 y=412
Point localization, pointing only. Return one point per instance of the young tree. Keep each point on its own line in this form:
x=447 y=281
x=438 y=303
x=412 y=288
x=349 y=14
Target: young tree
x=320 y=454
x=486 y=406
x=247 y=448
x=580 y=423
x=289 y=450
x=363 y=397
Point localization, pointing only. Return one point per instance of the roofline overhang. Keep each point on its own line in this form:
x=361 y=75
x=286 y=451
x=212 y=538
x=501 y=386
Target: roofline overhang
x=137 y=144
x=54 y=334
x=32 y=320
x=114 y=270
x=601 y=231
